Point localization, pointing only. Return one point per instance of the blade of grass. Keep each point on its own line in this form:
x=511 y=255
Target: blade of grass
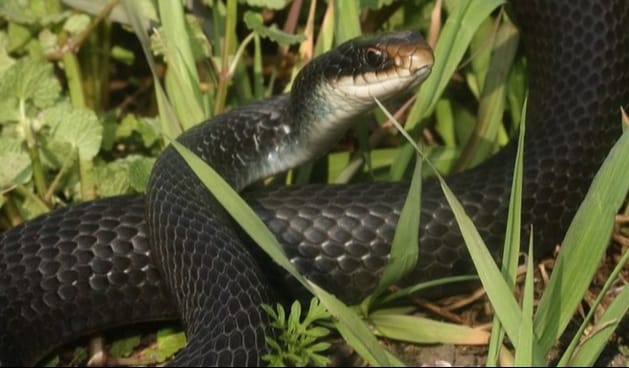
x=393 y=325
x=591 y=349
x=497 y=289
x=584 y=245
x=511 y=247
x=492 y=101
x=568 y=353
x=524 y=349
x=170 y=125
x=182 y=81
x=405 y=247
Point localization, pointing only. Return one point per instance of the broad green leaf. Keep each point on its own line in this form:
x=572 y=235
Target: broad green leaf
x=32 y=80
x=145 y=8
x=255 y=23
x=18 y=36
x=139 y=173
x=132 y=124
x=112 y=178
x=16 y=167
x=76 y=23
x=77 y=126
x=33 y=11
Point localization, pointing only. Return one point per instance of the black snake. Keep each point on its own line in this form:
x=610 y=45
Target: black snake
x=88 y=267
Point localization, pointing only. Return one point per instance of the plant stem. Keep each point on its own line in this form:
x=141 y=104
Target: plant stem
x=73 y=74
x=228 y=46
x=11 y=213
x=31 y=147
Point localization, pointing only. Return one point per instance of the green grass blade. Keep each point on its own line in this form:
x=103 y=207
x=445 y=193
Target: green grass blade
x=170 y=125
x=453 y=42
x=182 y=81
x=481 y=144
x=589 y=352
x=566 y=358
x=497 y=289
x=349 y=323
x=347 y=21
x=405 y=247
x=511 y=248
x=524 y=349
x=408 y=291
x=584 y=245
x=393 y=325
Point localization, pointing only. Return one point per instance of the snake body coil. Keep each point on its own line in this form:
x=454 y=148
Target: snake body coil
x=90 y=266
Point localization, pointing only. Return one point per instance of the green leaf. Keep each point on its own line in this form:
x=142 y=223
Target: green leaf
x=405 y=247
x=32 y=11
x=31 y=80
x=77 y=126
x=524 y=350
x=390 y=324
x=132 y=124
x=139 y=173
x=76 y=23
x=112 y=178
x=19 y=35
x=169 y=341
x=374 y=4
x=255 y=22
x=123 y=347
x=16 y=167
x=270 y=4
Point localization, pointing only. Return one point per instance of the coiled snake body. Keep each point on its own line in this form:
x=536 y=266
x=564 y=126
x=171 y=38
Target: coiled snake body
x=90 y=266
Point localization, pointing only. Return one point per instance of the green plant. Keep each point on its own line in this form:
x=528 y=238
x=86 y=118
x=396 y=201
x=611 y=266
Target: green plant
x=298 y=342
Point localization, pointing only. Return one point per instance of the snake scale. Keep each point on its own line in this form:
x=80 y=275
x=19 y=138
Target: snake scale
x=90 y=266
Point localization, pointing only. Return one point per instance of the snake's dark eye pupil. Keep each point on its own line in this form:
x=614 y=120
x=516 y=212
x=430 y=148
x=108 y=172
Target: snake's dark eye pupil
x=374 y=57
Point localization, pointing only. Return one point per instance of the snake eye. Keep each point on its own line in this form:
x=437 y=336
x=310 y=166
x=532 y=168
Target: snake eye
x=374 y=57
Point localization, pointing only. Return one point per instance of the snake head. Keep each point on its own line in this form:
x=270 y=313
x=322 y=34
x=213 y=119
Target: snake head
x=380 y=66
x=341 y=84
